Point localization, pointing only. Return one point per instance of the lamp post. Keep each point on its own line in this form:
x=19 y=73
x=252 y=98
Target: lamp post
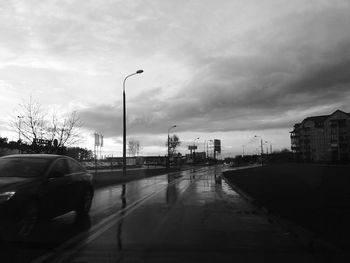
x=19 y=131
x=194 y=149
x=194 y=141
x=124 y=121
x=261 y=147
x=168 y=159
x=19 y=127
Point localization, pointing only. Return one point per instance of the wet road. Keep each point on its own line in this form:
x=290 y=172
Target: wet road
x=192 y=216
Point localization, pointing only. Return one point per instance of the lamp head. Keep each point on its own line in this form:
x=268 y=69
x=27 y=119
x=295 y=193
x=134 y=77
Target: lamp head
x=139 y=71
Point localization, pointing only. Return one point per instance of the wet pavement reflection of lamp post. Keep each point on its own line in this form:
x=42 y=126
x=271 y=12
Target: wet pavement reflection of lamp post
x=168 y=159
x=124 y=121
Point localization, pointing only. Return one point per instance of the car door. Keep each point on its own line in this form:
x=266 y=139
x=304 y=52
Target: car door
x=58 y=188
x=76 y=172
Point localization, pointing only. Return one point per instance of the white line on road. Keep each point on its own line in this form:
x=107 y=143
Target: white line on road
x=96 y=230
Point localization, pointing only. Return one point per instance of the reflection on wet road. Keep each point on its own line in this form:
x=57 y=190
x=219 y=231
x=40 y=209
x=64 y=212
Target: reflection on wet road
x=192 y=216
x=189 y=217
x=109 y=204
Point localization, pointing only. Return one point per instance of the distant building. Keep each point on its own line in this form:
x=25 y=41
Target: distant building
x=198 y=157
x=323 y=138
x=135 y=160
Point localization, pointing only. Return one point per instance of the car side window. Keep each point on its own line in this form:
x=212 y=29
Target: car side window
x=59 y=169
x=75 y=167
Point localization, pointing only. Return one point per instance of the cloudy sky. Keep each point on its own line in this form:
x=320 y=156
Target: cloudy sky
x=225 y=69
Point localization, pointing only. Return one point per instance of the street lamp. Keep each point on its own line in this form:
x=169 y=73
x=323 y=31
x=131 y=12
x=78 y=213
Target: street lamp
x=124 y=121
x=19 y=127
x=19 y=131
x=168 y=159
x=194 y=141
x=261 y=147
x=194 y=149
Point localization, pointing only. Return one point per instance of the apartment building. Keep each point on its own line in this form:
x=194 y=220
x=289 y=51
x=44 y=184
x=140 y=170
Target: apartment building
x=323 y=138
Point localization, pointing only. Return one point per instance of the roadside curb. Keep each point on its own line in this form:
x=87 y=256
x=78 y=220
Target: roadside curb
x=305 y=237
x=106 y=182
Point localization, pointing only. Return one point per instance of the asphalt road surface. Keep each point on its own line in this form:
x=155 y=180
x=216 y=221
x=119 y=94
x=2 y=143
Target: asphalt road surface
x=192 y=216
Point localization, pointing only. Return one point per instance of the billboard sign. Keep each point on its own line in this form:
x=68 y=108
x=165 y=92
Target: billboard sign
x=192 y=147
x=42 y=142
x=217 y=145
x=97 y=139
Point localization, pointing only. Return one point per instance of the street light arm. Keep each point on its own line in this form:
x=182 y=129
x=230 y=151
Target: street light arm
x=171 y=128
x=128 y=76
x=126 y=79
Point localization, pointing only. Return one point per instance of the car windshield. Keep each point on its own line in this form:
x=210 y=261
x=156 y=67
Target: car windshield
x=22 y=167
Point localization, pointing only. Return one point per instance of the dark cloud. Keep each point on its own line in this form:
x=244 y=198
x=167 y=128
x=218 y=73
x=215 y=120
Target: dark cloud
x=219 y=101
x=292 y=64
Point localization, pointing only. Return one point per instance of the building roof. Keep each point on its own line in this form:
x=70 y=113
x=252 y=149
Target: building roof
x=322 y=118
x=315 y=119
x=318 y=120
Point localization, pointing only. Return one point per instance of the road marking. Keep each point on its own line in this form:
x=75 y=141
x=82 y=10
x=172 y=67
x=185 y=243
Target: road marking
x=97 y=230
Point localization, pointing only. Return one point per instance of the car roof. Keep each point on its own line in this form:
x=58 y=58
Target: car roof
x=40 y=156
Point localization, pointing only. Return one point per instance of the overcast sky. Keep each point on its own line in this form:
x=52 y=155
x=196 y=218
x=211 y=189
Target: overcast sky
x=219 y=69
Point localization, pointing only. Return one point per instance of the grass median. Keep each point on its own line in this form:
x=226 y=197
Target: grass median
x=316 y=197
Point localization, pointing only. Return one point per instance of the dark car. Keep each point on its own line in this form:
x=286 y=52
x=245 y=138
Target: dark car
x=35 y=186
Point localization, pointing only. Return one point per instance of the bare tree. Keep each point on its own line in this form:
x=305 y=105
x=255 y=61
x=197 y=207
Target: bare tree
x=174 y=142
x=67 y=130
x=29 y=121
x=32 y=122
x=133 y=147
